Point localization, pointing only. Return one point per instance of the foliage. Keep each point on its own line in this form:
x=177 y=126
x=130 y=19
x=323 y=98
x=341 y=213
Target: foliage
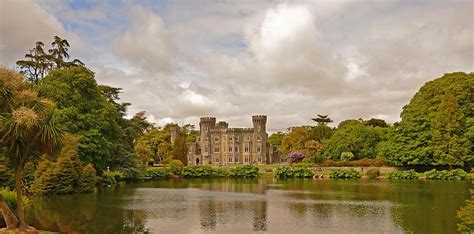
x=322 y=120
x=10 y=198
x=176 y=167
x=293 y=172
x=347 y=156
x=466 y=216
x=365 y=162
x=91 y=112
x=66 y=175
x=403 y=175
x=456 y=174
x=373 y=173
x=180 y=149
x=309 y=160
x=296 y=156
x=441 y=114
x=158 y=172
x=295 y=140
x=117 y=176
x=156 y=142
x=376 y=123
x=7 y=178
x=38 y=63
x=320 y=133
x=276 y=139
x=344 y=174
x=246 y=171
x=28 y=127
x=359 y=139
x=203 y=172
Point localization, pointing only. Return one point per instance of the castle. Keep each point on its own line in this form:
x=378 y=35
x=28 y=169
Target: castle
x=218 y=144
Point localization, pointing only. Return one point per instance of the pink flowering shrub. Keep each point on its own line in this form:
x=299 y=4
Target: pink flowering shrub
x=296 y=156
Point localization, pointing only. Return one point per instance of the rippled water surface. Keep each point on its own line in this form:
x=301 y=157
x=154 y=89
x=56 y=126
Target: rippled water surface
x=257 y=205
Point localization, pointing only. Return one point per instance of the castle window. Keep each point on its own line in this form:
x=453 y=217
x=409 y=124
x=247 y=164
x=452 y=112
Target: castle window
x=199 y=139
x=259 y=159
x=246 y=159
x=216 y=160
x=236 y=138
x=259 y=128
x=216 y=149
x=236 y=149
x=230 y=148
x=230 y=160
x=247 y=148
x=230 y=138
x=259 y=149
x=259 y=138
x=205 y=129
x=236 y=160
x=247 y=138
x=216 y=139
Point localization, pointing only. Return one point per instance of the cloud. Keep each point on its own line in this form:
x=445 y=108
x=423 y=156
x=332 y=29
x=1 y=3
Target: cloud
x=22 y=23
x=289 y=60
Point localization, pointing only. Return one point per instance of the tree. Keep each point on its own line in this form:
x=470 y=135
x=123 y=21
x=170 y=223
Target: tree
x=413 y=140
x=180 y=149
x=448 y=145
x=376 y=123
x=28 y=126
x=295 y=140
x=276 y=139
x=38 y=63
x=322 y=120
x=320 y=133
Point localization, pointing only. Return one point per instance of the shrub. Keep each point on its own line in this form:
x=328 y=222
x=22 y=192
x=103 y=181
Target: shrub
x=365 y=162
x=247 y=171
x=158 y=172
x=309 y=160
x=347 y=156
x=296 y=156
x=116 y=175
x=344 y=174
x=10 y=198
x=107 y=180
x=466 y=216
x=373 y=173
x=176 y=167
x=293 y=172
x=87 y=179
x=203 y=172
x=403 y=175
x=457 y=174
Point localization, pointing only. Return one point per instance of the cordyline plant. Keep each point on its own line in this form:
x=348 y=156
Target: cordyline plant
x=296 y=156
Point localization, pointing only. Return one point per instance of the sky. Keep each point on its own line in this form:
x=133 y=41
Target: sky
x=290 y=60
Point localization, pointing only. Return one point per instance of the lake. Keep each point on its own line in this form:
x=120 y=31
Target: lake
x=257 y=205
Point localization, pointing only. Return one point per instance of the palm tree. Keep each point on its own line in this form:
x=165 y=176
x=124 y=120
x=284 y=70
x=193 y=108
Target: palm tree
x=28 y=128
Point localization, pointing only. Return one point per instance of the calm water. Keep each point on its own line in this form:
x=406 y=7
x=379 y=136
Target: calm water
x=259 y=205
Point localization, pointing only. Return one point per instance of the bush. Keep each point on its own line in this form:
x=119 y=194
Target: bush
x=158 y=172
x=403 y=175
x=293 y=172
x=373 y=173
x=347 y=156
x=309 y=160
x=247 y=171
x=296 y=156
x=457 y=174
x=344 y=174
x=176 y=167
x=466 y=216
x=203 y=172
x=87 y=179
x=365 y=162
x=10 y=198
x=116 y=175
x=302 y=164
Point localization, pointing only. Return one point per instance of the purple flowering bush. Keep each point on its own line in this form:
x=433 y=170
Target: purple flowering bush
x=296 y=156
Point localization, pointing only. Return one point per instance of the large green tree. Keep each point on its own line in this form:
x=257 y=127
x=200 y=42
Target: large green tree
x=428 y=125
x=92 y=113
x=180 y=149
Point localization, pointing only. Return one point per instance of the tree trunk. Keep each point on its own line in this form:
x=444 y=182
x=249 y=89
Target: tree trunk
x=19 y=192
x=8 y=216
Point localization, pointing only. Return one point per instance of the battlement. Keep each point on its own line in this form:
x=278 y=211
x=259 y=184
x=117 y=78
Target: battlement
x=222 y=124
x=208 y=119
x=239 y=129
x=262 y=119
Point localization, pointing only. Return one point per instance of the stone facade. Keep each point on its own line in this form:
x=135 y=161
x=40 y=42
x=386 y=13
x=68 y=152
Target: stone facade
x=218 y=144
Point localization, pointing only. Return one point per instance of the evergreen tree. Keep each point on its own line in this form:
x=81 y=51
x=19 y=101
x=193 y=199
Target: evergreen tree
x=180 y=149
x=87 y=179
x=448 y=146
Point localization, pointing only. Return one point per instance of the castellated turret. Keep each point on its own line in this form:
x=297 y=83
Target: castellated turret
x=259 y=123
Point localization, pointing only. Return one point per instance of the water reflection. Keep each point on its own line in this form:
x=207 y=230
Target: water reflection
x=258 y=205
